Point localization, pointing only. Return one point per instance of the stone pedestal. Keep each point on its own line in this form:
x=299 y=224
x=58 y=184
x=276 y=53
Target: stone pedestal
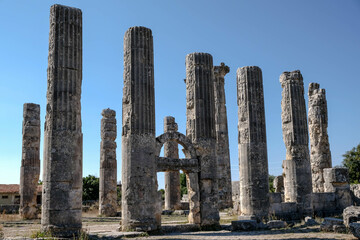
x=253 y=163
x=62 y=180
x=222 y=137
x=30 y=161
x=108 y=165
x=139 y=183
x=200 y=129
x=297 y=172
x=172 y=178
x=320 y=156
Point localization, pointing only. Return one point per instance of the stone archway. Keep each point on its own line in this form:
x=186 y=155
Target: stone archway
x=189 y=165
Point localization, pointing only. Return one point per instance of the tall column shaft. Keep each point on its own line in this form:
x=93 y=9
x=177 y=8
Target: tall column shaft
x=108 y=165
x=297 y=172
x=62 y=187
x=172 y=179
x=222 y=137
x=139 y=183
x=30 y=161
x=253 y=162
x=200 y=128
x=320 y=155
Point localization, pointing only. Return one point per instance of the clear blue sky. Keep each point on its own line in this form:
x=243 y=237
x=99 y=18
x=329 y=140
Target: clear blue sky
x=321 y=38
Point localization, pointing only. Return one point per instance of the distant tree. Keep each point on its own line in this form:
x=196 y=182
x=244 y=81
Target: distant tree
x=183 y=188
x=352 y=162
x=118 y=190
x=90 y=188
x=162 y=194
x=40 y=182
x=271 y=183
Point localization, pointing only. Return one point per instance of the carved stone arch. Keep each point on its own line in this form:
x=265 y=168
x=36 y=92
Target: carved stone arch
x=185 y=142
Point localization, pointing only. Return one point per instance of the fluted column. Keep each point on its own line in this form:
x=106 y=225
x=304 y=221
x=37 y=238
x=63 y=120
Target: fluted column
x=172 y=179
x=30 y=161
x=139 y=183
x=320 y=155
x=108 y=165
x=222 y=137
x=200 y=128
x=253 y=162
x=62 y=187
x=297 y=172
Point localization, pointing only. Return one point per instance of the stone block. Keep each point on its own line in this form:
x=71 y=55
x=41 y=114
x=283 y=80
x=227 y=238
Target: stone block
x=328 y=224
x=275 y=197
x=343 y=198
x=355 y=229
x=244 y=225
x=355 y=193
x=309 y=221
x=351 y=214
x=276 y=224
x=335 y=178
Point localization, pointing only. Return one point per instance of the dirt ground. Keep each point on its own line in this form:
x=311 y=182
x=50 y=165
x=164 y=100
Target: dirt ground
x=12 y=227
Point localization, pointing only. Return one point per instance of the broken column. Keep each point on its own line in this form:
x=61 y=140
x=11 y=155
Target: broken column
x=108 y=165
x=172 y=178
x=139 y=183
x=297 y=172
x=320 y=156
x=253 y=162
x=200 y=129
x=30 y=161
x=62 y=180
x=222 y=138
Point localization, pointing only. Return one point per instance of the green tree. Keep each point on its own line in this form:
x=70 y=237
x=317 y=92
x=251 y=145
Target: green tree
x=271 y=183
x=352 y=162
x=90 y=188
x=183 y=188
x=162 y=194
x=118 y=190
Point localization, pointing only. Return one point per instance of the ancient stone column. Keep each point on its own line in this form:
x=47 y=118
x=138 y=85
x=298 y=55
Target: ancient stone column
x=30 y=161
x=62 y=187
x=320 y=156
x=172 y=179
x=222 y=137
x=253 y=162
x=108 y=165
x=200 y=128
x=139 y=183
x=297 y=172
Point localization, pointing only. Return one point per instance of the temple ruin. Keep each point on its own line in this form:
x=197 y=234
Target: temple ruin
x=62 y=177
x=308 y=186
x=30 y=161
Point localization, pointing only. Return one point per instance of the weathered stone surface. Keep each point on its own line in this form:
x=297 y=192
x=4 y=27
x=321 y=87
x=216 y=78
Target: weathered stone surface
x=222 y=137
x=30 y=161
x=139 y=183
x=108 y=165
x=276 y=224
x=328 y=224
x=279 y=184
x=62 y=180
x=320 y=155
x=309 y=221
x=351 y=214
x=355 y=193
x=355 y=229
x=335 y=178
x=244 y=225
x=235 y=185
x=253 y=163
x=172 y=178
x=200 y=128
x=297 y=171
